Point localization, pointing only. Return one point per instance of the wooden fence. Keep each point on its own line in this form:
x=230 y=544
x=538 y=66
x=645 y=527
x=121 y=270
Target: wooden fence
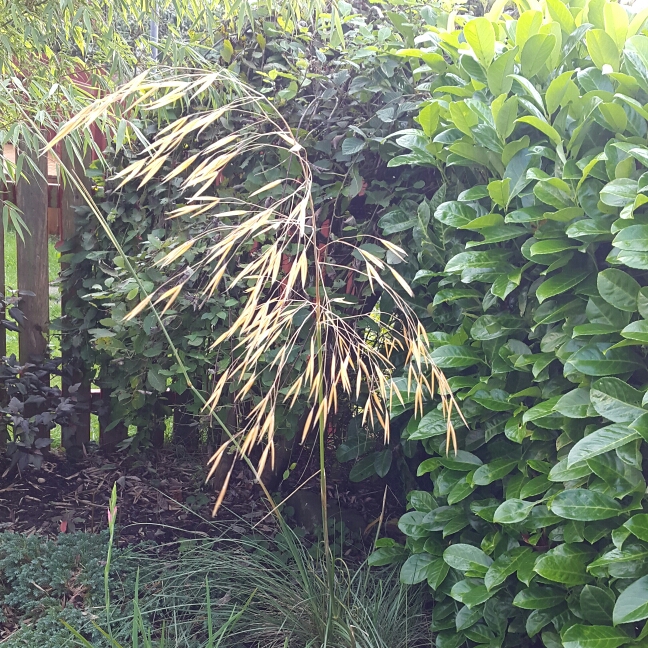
x=48 y=208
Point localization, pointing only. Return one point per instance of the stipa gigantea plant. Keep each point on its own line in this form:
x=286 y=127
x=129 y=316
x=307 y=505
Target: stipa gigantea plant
x=288 y=307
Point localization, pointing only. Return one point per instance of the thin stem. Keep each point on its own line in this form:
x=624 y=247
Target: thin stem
x=330 y=567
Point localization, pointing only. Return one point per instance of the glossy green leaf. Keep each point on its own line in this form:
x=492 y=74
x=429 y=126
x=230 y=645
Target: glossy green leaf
x=575 y=404
x=352 y=145
x=624 y=561
x=538 y=597
x=499 y=81
x=513 y=511
x=437 y=572
x=452 y=294
x=634 y=238
x=551 y=246
x=542 y=409
x=364 y=468
x=601 y=441
x=602 y=49
x=636 y=331
x=559 y=283
x=418 y=567
x=561 y=14
x=594 y=636
x=494 y=470
x=505 y=118
x=536 y=52
x=491 y=327
x=396 y=221
x=615 y=19
x=536 y=486
x=529 y=23
x=463 y=117
x=499 y=191
x=619 y=289
x=353 y=448
x=638 y=525
x=565 y=564
x=156 y=380
x=383 y=462
x=619 y=192
x=614 y=117
x=554 y=192
x=465 y=558
x=480 y=35
x=542 y=126
x=386 y=556
x=411 y=524
x=462 y=489
x=642 y=302
x=460 y=460
x=467 y=618
x=421 y=501
x=615 y=400
x=621 y=478
x=598 y=359
x=640 y=424
x=470 y=592
x=454 y=213
x=473 y=259
x=450 y=356
x=538 y=619
x=432 y=424
x=585 y=505
x=596 y=604
x=632 y=604
x=506 y=565
x=489 y=220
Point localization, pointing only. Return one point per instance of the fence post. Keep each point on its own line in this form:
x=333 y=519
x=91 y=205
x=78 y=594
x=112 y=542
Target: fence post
x=3 y=286
x=118 y=432
x=72 y=367
x=32 y=263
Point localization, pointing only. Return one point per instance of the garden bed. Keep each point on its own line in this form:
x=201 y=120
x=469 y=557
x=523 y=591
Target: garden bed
x=161 y=496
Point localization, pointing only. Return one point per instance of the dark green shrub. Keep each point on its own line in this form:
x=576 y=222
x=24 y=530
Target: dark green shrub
x=537 y=528
x=343 y=110
x=24 y=388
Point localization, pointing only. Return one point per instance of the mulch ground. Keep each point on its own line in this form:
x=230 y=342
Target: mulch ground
x=161 y=496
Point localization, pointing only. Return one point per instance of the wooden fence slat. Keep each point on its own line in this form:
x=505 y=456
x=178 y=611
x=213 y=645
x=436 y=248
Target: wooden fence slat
x=32 y=262
x=32 y=265
x=3 y=284
x=3 y=288
x=73 y=371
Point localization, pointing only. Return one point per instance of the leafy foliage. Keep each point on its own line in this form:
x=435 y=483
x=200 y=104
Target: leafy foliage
x=351 y=186
x=55 y=57
x=29 y=406
x=535 y=527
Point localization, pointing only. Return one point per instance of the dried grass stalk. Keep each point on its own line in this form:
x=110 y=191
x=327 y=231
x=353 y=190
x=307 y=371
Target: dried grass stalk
x=343 y=358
